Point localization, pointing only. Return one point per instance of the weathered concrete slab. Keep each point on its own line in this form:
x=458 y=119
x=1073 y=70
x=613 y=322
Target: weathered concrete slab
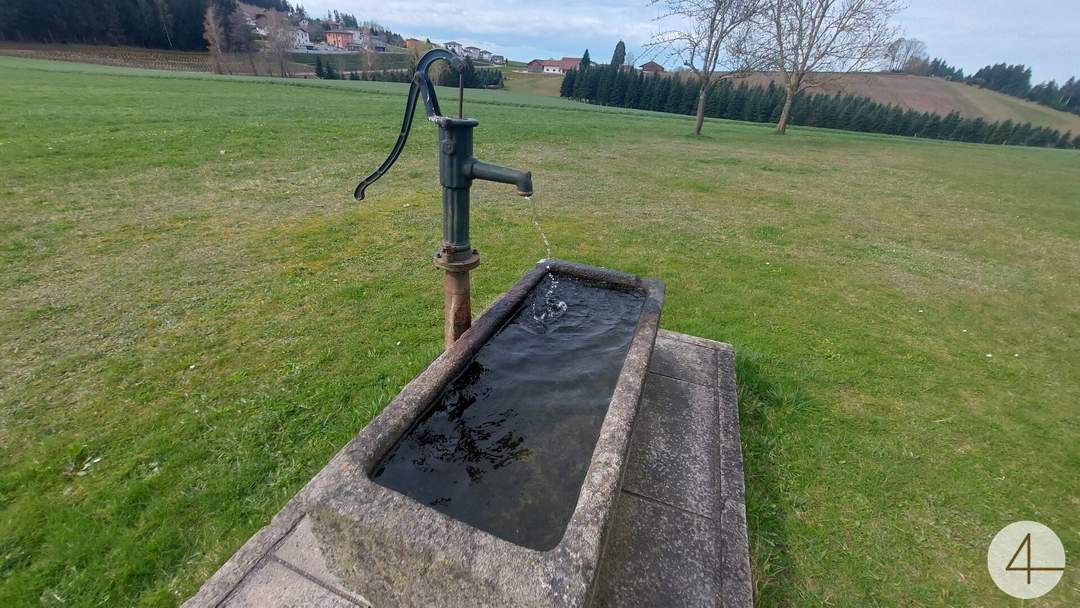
x=659 y=556
x=674 y=457
x=692 y=362
x=677 y=535
x=300 y=549
x=273 y=585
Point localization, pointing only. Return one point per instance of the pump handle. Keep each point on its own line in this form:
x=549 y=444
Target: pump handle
x=422 y=87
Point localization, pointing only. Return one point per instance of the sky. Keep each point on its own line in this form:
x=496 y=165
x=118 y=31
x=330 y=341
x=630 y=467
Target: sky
x=969 y=34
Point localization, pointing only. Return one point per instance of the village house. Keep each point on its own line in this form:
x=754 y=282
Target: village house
x=553 y=66
x=652 y=67
x=498 y=59
x=340 y=38
x=455 y=47
x=472 y=52
x=298 y=38
x=355 y=40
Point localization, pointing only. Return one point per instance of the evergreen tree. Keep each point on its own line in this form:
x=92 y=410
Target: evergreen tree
x=619 y=56
x=932 y=129
x=949 y=124
x=581 y=85
x=663 y=89
x=1000 y=133
x=675 y=96
x=585 y=62
x=320 y=72
x=736 y=102
x=635 y=83
x=752 y=106
x=567 y=88
x=605 y=85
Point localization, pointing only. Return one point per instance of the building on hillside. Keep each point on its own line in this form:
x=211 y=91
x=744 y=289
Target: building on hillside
x=653 y=68
x=553 y=66
x=455 y=47
x=299 y=39
x=256 y=18
x=472 y=52
x=340 y=38
x=412 y=43
x=355 y=40
x=485 y=56
x=498 y=59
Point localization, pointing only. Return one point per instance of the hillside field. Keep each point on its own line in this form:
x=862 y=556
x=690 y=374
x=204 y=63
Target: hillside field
x=933 y=95
x=937 y=95
x=195 y=315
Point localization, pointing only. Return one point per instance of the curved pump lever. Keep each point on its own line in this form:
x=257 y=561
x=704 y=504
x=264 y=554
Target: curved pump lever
x=421 y=86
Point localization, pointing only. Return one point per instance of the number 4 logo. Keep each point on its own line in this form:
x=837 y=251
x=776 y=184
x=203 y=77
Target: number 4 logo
x=1027 y=563
x=1030 y=548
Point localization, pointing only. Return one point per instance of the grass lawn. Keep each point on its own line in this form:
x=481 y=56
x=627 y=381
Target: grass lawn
x=195 y=315
x=535 y=84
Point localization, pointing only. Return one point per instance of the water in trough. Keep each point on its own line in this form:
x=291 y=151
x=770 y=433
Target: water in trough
x=506 y=446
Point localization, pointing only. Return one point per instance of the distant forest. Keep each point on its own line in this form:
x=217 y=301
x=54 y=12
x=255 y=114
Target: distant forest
x=626 y=87
x=166 y=24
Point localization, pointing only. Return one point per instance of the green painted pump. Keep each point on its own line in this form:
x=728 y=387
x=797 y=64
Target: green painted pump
x=457 y=170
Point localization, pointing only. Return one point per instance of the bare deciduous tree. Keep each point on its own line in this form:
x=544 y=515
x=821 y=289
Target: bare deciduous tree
x=902 y=50
x=808 y=38
x=214 y=34
x=277 y=30
x=711 y=38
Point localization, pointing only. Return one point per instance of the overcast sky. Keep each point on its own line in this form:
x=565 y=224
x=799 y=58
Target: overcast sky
x=969 y=34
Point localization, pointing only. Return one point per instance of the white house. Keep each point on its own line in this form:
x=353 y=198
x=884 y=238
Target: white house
x=455 y=47
x=472 y=52
x=298 y=38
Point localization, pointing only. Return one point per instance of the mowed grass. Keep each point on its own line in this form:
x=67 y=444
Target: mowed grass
x=195 y=315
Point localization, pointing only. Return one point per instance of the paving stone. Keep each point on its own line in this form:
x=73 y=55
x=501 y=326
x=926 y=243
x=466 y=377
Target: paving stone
x=301 y=550
x=274 y=585
x=658 y=556
x=683 y=360
x=674 y=456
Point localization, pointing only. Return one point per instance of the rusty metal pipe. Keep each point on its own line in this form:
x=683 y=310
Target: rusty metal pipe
x=456 y=307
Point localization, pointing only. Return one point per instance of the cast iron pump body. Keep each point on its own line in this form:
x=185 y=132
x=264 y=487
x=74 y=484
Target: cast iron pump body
x=457 y=170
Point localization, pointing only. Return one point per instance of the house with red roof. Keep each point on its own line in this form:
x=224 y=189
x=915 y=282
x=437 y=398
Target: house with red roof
x=553 y=66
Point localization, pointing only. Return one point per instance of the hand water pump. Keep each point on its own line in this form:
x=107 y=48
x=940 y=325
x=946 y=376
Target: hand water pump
x=457 y=170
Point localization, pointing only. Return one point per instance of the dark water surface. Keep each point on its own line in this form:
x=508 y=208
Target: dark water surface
x=506 y=447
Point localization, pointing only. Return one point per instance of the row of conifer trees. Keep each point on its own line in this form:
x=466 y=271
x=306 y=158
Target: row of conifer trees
x=630 y=88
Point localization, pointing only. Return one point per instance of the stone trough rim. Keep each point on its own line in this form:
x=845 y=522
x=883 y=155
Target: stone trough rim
x=562 y=575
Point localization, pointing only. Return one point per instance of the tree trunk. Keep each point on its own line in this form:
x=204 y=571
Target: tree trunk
x=700 y=109
x=781 y=125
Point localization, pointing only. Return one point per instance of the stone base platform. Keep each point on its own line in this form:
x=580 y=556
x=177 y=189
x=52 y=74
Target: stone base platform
x=678 y=537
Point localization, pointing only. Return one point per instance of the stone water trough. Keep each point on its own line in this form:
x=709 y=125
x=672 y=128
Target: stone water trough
x=429 y=507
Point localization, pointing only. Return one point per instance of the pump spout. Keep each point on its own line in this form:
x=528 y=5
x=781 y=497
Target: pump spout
x=478 y=169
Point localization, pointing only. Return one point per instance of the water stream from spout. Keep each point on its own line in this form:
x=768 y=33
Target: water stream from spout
x=551 y=307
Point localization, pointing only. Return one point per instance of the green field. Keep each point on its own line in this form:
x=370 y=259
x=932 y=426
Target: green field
x=195 y=316
x=533 y=84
